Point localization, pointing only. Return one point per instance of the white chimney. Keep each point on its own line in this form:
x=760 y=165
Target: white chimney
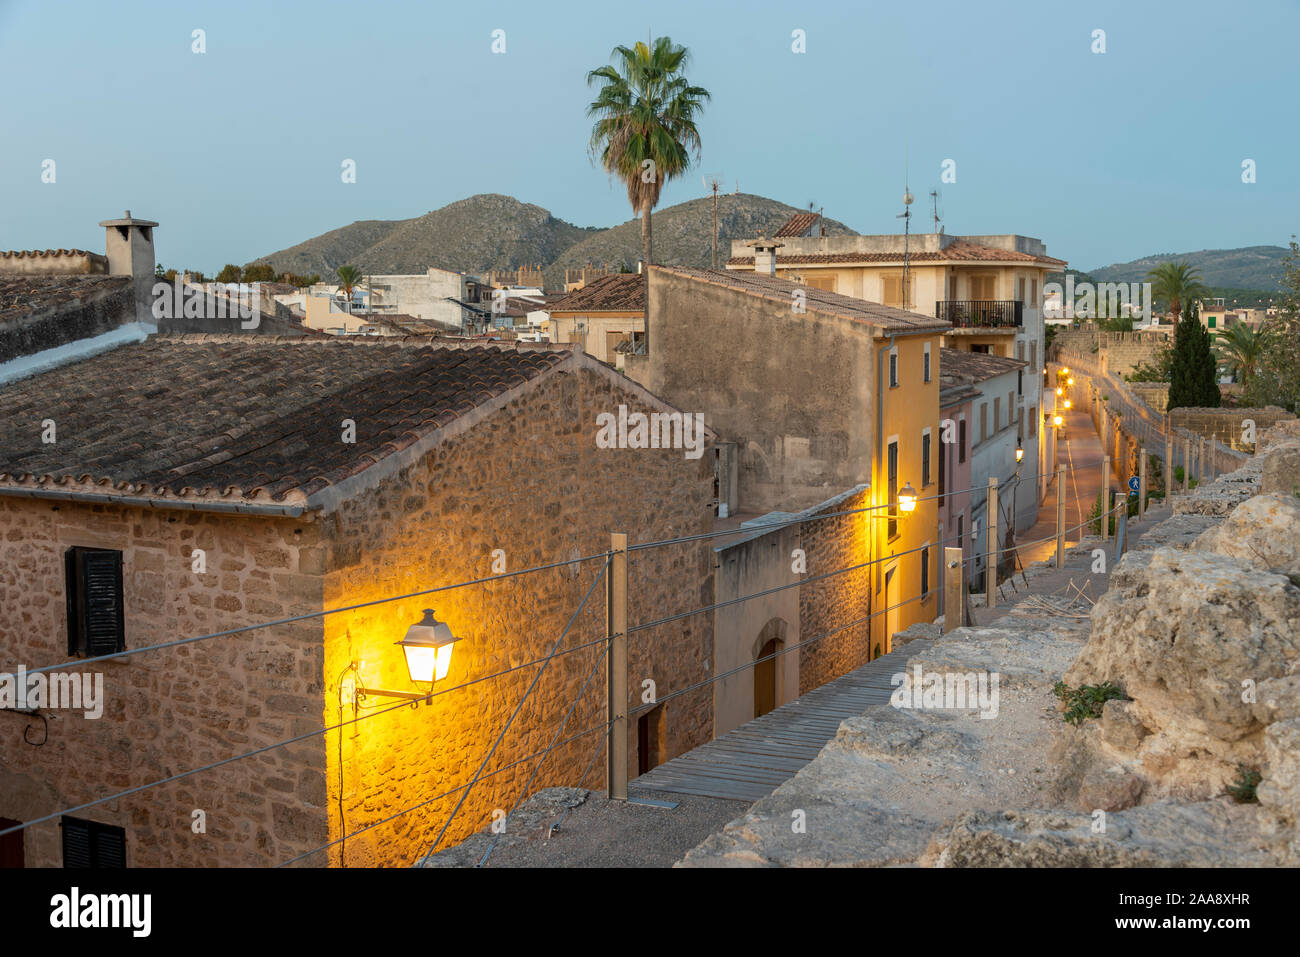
x=128 y=244
x=765 y=255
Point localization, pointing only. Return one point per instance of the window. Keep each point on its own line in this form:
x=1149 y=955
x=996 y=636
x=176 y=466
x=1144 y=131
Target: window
x=893 y=490
x=1033 y=355
x=821 y=282
x=1033 y=292
x=1033 y=421
x=984 y=286
x=91 y=844
x=1020 y=382
x=1011 y=407
x=93 y=585
x=1020 y=349
x=1020 y=288
x=984 y=421
x=961 y=441
x=927 y=362
x=925 y=458
x=1212 y=320
x=925 y=571
x=961 y=519
x=892 y=287
x=893 y=368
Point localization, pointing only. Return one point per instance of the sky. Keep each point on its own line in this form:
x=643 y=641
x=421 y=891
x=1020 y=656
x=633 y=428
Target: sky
x=238 y=151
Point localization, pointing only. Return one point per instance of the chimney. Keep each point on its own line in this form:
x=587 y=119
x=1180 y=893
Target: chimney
x=128 y=244
x=765 y=255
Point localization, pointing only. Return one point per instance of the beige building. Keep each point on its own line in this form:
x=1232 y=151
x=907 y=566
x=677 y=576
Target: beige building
x=183 y=500
x=600 y=316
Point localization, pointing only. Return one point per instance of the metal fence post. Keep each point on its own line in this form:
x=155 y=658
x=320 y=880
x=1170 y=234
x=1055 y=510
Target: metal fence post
x=1105 y=497
x=1142 y=483
x=616 y=668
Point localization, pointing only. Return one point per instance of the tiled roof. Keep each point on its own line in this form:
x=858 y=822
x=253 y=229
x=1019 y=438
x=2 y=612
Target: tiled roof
x=820 y=301
x=957 y=251
x=957 y=367
x=797 y=225
x=243 y=417
x=620 y=292
x=26 y=295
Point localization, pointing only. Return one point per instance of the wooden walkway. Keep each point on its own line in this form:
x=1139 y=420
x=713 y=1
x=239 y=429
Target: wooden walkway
x=750 y=762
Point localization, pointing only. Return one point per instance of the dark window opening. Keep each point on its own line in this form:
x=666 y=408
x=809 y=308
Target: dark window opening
x=93 y=585
x=91 y=844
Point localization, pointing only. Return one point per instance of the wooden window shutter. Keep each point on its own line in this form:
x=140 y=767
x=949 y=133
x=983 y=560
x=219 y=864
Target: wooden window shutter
x=95 y=617
x=90 y=844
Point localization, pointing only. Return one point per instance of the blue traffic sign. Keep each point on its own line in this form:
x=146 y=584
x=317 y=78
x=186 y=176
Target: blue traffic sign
x=1133 y=483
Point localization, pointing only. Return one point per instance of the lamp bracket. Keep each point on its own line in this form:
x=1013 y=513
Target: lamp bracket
x=411 y=696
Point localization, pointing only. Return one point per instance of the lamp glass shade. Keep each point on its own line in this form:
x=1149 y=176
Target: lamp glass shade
x=1057 y=420
x=428 y=645
x=907 y=498
x=1020 y=453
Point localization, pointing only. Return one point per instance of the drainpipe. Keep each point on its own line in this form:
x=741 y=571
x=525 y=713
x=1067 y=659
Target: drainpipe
x=880 y=452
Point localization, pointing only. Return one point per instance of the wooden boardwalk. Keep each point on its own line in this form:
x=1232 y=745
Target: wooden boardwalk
x=750 y=762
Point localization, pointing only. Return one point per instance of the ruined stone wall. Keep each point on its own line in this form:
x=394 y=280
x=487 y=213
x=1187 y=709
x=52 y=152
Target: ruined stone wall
x=171 y=710
x=527 y=480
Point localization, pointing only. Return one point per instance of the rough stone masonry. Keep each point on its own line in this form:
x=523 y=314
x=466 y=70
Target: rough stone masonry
x=1199 y=632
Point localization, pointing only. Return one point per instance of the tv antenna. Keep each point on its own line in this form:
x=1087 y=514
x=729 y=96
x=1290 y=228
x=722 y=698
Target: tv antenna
x=906 y=217
x=711 y=183
x=934 y=200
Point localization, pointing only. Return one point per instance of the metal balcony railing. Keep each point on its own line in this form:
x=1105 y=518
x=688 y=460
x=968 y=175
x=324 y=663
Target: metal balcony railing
x=981 y=313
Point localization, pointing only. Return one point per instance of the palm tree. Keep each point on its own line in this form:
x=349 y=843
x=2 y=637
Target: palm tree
x=1239 y=350
x=1178 y=284
x=645 y=122
x=349 y=276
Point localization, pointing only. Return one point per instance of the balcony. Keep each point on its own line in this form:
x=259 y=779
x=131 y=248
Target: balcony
x=981 y=314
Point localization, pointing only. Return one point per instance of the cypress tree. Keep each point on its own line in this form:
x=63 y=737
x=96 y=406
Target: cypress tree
x=1192 y=382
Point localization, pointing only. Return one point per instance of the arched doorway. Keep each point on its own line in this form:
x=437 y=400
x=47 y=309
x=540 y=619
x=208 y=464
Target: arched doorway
x=767 y=666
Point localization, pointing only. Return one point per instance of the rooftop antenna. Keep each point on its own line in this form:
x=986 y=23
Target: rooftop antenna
x=934 y=199
x=711 y=182
x=906 y=217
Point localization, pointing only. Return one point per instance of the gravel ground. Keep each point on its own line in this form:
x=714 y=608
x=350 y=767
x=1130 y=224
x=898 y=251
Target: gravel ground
x=596 y=832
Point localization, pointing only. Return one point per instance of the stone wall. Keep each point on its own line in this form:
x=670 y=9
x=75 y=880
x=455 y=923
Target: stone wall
x=176 y=709
x=838 y=607
x=1226 y=425
x=1116 y=352
x=531 y=482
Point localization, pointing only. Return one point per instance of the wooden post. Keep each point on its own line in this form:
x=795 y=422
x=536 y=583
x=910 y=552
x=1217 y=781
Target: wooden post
x=1060 y=516
x=1187 y=463
x=616 y=669
x=1142 y=483
x=953 y=588
x=1105 y=497
x=1200 y=461
x=991 y=544
x=1212 y=457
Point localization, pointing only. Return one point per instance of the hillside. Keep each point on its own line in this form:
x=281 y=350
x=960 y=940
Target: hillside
x=491 y=231
x=1250 y=267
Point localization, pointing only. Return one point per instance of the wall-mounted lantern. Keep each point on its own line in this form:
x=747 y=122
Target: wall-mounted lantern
x=1020 y=453
x=907 y=498
x=427 y=646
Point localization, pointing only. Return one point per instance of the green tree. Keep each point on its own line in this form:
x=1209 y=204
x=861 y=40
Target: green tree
x=1277 y=377
x=229 y=273
x=645 y=114
x=349 y=277
x=1192 y=373
x=1178 y=285
x=259 y=272
x=1159 y=372
x=1239 y=349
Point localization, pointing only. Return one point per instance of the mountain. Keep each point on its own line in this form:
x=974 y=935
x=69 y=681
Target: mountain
x=491 y=231
x=1251 y=267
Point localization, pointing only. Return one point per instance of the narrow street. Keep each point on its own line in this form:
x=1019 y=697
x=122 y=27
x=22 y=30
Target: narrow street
x=1080 y=453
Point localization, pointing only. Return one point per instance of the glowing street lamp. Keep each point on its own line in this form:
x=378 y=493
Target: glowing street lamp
x=907 y=498
x=1067 y=405
x=427 y=646
x=1060 y=391
x=1057 y=420
x=1070 y=381
x=1020 y=453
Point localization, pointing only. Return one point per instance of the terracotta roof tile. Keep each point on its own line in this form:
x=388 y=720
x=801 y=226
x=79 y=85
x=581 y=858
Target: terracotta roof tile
x=797 y=225
x=620 y=292
x=244 y=416
x=25 y=295
x=957 y=367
